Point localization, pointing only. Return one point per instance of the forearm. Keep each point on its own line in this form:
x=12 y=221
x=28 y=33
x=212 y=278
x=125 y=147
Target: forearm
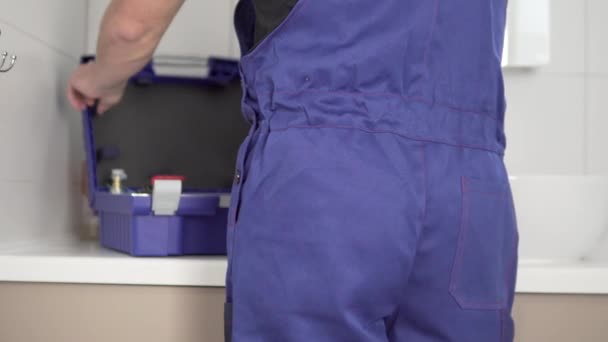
x=130 y=32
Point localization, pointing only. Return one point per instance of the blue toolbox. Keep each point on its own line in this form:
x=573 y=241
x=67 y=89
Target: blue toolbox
x=161 y=163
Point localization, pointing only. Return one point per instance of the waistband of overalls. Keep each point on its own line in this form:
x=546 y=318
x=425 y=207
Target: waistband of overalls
x=411 y=118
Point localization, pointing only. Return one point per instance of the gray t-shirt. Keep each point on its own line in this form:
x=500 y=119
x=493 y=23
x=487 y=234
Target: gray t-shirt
x=269 y=15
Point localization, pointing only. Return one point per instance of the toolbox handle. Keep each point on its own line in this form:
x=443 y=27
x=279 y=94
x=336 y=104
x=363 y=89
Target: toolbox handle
x=89 y=145
x=220 y=71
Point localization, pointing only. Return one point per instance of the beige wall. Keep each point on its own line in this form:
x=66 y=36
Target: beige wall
x=90 y=313
x=73 y=313
x=554 y=318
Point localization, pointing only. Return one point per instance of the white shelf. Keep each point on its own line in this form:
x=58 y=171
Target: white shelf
x=88 y=263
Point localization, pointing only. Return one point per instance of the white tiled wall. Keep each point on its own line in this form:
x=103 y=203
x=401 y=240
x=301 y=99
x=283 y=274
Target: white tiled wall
x=597 y=123
x=597 y=86
x=40 y=137
x=555 y=121
x=597 y=28
x=545 y=123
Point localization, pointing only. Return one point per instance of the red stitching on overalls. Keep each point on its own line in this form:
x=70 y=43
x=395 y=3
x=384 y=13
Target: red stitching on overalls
x=417 y=99
x=457 y=265
x=374 y=131
x=501 y=317
x=424 y=181
x=480 y=305
x=497 y=194
x=511 y=273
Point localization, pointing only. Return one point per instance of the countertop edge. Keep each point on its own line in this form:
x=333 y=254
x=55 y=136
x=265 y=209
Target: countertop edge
x=88 y=263
x=115 y=271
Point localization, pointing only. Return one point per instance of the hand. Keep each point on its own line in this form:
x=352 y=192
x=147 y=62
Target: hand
x=87 y=87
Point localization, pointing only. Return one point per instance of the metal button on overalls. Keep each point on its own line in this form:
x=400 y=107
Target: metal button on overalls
x=237 y=177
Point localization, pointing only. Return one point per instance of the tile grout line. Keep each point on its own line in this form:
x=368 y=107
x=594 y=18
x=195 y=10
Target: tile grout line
x=586 y=137
x=86 y=21
x=37 y=39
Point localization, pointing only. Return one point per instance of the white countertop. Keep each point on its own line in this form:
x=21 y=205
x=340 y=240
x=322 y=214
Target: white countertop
x=88 y=263
x=562 y=278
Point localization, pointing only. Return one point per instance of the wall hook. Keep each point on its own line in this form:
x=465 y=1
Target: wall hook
x=11 y=63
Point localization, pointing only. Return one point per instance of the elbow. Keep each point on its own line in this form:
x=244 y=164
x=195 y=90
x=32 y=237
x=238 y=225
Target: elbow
x=129 y=30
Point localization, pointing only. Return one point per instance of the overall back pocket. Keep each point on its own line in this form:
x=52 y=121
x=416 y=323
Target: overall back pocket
x=483 y=274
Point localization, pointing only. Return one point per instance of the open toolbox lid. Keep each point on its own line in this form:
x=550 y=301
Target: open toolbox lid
x=168 y=125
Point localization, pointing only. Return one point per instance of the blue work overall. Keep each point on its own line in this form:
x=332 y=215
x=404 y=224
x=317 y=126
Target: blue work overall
x=371 y=202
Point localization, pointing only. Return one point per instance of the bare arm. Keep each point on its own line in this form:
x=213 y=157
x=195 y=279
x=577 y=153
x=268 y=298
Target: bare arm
x=130 y=32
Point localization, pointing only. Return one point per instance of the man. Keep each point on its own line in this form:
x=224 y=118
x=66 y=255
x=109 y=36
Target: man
x=370 y=201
